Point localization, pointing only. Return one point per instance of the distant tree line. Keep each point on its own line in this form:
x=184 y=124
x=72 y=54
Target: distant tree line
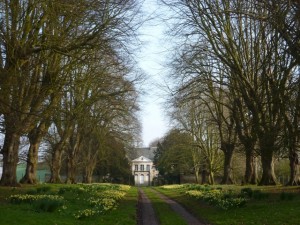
x=67 y=81
x=236 y=85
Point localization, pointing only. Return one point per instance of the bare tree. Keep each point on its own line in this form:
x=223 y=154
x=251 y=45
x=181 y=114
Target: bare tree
x=31 y=33
x=254 y=57
x=206 y=155
x=202 y=85
x=284 y=17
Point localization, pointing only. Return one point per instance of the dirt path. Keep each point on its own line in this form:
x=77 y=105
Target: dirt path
x=147 y=214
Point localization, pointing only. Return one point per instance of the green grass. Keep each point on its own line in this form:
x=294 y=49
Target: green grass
x=277 y=206
x=271 y=210
x=28 y=215
x=125 y=214
x=165 y=214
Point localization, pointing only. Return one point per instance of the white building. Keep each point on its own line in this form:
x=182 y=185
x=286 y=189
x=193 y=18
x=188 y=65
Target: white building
x=144 y=171
x=142 y=167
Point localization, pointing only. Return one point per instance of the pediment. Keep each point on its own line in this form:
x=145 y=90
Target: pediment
x=142 y=159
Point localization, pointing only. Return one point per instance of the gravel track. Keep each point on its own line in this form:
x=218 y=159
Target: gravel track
x=146 y=214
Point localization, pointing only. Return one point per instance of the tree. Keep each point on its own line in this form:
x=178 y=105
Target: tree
x=92 y=147
x=39 y=41
x=35 y=137
x=194 y=118
x=291 y=134
x=173 y=155
x=247 y=137
x=255 y=60
x=284 y=17
x=201 y=87
x=113 y=162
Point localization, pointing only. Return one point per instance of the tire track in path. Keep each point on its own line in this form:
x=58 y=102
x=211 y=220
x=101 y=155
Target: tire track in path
x=147 y=214
x=187 y=216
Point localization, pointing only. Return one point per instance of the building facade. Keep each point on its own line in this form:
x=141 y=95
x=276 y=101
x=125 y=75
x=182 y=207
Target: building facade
x=143 y=171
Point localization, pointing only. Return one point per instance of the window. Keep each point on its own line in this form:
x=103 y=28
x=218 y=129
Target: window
x=141 y=167
x=148 y=168
x=136 y=167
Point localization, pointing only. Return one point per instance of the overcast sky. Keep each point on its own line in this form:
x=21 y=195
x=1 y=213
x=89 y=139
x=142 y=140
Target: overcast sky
x=151 y=60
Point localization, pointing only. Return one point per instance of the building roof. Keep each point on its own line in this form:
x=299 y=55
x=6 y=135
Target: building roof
x=142 y=159
x=145 y=152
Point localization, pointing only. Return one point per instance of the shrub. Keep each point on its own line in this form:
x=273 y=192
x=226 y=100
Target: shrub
x=74 y=190
x=247 y=192
x=173 y=186
x=92 y=199
x=227 y=194
x=114 y=194
x=31 y=192
x=18 y=199
x=43 y=189
x=48 y=204
x=218 y=198
x=259 y=195
x=219 y=188
x=287 y=196
x=100 y=197
x=230 y=203
x=81 y=214
x=123 y=187
x=199 y=187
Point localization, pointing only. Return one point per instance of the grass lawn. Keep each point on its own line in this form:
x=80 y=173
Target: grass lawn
x=76 y=198
x=272 y=208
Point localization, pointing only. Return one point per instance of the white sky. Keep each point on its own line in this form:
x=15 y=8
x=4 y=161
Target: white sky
x=151 y=60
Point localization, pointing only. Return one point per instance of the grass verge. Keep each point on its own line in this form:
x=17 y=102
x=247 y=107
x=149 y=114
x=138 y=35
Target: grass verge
x=75 y=200
x=273 y=208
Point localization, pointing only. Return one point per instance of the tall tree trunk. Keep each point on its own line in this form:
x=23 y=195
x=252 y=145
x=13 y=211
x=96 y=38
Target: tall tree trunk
x=227 y=148
x=203 y=176
x=268 y=175
x=56 y=166
x=72 y=158
x=196 y=164
x=10 y=153
x=57 y=153
x=90 y=166
x=35 y=136
x=88 y=173
x=294 y=175
x=71 y=170
x=197 y=176
x=250 y=172
x=254 y=178
x=211 y=179
x=31 y=167
x=267 y=148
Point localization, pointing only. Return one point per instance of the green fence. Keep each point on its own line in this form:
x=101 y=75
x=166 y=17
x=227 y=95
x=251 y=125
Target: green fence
x=41 y=173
